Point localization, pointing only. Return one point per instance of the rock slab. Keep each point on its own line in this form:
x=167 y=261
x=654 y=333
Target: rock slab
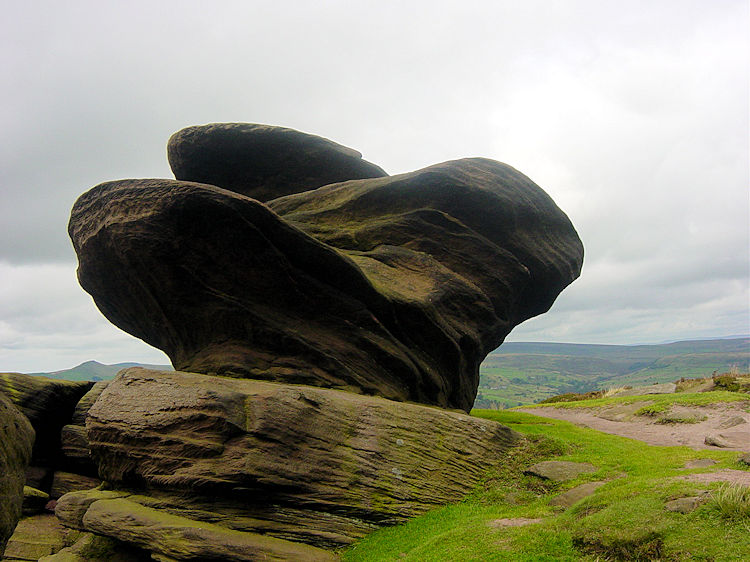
x=574 y=495
x=301 y=463
x=185 y=539
x=396 y=286
x=560 y=471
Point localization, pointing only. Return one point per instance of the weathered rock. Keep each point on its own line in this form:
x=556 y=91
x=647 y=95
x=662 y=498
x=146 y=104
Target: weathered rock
x=684 y=505
x=732 y=422
x=16 y=440
x=96 y=548
x=560 y=471
x=39 y=477
x=87 y=400
x=72 y=506
x=261 y=161
x=574 y=495
x=395 y=286
x=744 y=459
x=718 y=441
x=74 y=447
x=38 y=536
x=295 y=462
x=74 y=444
x=48 y=404
x=663 y=388
x=34 y=501
x=185 y=539
x=65 y=482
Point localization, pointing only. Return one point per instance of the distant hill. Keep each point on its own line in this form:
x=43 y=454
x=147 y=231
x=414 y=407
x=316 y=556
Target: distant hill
x=95 y=371
x=524 y=372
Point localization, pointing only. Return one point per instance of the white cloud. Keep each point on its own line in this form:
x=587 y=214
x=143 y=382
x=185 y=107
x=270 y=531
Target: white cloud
x=49 y=323
x=632 y=115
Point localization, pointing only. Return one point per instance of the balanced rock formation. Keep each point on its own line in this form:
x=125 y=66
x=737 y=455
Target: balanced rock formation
x=16 y=441
x=293 y=462
x=393 y=286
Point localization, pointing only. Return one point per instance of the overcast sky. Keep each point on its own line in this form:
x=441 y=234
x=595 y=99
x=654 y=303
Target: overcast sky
x=632 y=115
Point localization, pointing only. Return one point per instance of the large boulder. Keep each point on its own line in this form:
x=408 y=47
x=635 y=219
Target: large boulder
x=395 y=286
x=289 y=461
x=262 y=161
x=16 y=441
x=48 y=404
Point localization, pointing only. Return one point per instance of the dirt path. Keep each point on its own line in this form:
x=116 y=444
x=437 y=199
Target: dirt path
x=621 y=421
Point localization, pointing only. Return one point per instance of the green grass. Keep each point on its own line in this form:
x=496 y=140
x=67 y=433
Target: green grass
x=624 y=520
x=732 y=502
x=658 y=403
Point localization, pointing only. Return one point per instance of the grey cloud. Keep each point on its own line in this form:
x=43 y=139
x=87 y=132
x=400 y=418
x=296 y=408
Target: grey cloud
x=633 y=116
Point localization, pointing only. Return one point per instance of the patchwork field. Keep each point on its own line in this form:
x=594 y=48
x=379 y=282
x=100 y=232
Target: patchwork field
x=524 y=373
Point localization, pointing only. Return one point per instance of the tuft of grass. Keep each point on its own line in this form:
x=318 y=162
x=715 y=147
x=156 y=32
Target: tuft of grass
x=653 y=410
x=732 y=502
x=658 y=400
x=615 y=390
x=573 y=397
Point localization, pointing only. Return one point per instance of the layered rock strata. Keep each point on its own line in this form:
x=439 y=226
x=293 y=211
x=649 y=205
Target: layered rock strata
x=16 y=441
x=396 y=286
x=48 y=404
x=305 y=464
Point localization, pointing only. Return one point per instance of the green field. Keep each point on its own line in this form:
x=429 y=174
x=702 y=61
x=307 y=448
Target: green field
x=523 y=373
x=625 y=519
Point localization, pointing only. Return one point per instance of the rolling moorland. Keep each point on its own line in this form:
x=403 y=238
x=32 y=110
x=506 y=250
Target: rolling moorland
x=526 y=373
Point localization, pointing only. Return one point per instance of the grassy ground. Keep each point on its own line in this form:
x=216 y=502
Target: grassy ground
x=659 y=402
x=624 y=520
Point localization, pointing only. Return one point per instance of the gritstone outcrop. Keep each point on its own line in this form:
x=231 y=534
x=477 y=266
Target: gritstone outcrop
x=396 y=286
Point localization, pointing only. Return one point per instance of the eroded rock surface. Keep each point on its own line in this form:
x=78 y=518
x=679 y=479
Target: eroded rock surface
x=262 y=161
x=74 y=442
x=560 y=471
x=16 y=441
x=48 y=404
x=300 y=463
x=395 y=286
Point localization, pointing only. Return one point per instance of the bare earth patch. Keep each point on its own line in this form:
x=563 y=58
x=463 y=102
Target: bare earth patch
x=647 y=429
x=740 y=477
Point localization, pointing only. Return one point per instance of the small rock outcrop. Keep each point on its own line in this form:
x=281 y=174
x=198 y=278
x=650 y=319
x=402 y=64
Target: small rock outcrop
x=396 y=286
x=16 y=441
x=571 y=497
